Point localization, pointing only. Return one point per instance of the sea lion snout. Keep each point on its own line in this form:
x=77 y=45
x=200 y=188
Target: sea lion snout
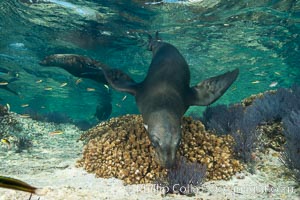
x=165 y=158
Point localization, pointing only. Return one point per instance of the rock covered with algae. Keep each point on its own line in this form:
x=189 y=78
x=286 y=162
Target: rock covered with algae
x=120 y=148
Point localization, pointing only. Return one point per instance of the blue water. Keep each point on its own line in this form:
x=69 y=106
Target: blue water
x=261 y=38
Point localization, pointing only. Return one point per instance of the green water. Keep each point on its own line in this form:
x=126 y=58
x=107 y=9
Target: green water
x=261 y=38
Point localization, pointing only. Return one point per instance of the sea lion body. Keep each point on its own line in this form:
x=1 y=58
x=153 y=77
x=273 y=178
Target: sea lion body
x=160 y=99
x=167 y=81
x=77 y=65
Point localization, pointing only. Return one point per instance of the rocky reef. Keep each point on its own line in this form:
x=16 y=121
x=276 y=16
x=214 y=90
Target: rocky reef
x=7 y=121
x=10 y=128
x=120 y=148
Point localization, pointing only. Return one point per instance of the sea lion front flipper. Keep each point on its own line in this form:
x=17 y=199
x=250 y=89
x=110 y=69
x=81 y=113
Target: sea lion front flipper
x=120 y=80
x=97 y=76
x=209 y=90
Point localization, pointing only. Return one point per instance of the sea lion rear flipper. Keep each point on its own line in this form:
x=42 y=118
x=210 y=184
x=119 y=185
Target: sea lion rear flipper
x=209 y=90
x=120 y=80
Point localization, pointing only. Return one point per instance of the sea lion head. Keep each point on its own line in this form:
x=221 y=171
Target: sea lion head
x=164 y=130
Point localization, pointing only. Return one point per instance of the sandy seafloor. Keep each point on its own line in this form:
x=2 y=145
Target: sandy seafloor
x=50 y=165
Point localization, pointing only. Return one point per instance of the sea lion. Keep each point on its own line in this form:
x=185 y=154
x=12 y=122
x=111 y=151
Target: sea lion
x=77 y=65
x=165 y=94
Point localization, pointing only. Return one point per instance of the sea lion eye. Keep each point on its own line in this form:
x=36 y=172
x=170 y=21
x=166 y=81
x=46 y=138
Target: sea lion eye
x=155 y=144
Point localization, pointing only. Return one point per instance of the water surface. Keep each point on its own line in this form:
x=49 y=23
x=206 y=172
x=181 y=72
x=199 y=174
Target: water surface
x=261 y=38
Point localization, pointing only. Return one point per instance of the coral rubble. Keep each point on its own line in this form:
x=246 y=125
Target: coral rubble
x=120 y=148
x=10 y=128
x=272 y=136
x=8 y=122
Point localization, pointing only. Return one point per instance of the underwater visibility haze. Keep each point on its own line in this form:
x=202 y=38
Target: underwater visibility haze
x=260 y=38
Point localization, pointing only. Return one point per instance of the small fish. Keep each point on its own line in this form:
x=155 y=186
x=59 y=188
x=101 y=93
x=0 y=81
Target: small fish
x=4 y=83
x=8 y=107
x=63 y=84
x=154 y=3
x=15 y=184
x=57 y=132
x=123 y=99
x=118 y=105
x=277 y=73
x=25 y=116
x=78 y=81
x=252 y=69
x=260 y=74
x=24 y=105
x=43 y=106
x=106 y=86
x=6 y=142
x=39 y=81
x=48 y=88
x=255 y=82
x=273 y=84
x=90 y=89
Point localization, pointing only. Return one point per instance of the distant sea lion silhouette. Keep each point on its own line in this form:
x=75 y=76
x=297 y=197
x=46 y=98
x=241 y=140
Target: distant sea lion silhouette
x=103 y=111
x=165 y=95
x=77 y=65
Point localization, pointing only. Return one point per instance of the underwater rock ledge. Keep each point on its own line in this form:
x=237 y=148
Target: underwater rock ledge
x=120 y=148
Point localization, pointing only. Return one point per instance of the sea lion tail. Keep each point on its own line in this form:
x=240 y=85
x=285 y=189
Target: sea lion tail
x=209 y=90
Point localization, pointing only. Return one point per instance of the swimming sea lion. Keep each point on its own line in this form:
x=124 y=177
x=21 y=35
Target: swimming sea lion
x=77 y=65
x=165 y=95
